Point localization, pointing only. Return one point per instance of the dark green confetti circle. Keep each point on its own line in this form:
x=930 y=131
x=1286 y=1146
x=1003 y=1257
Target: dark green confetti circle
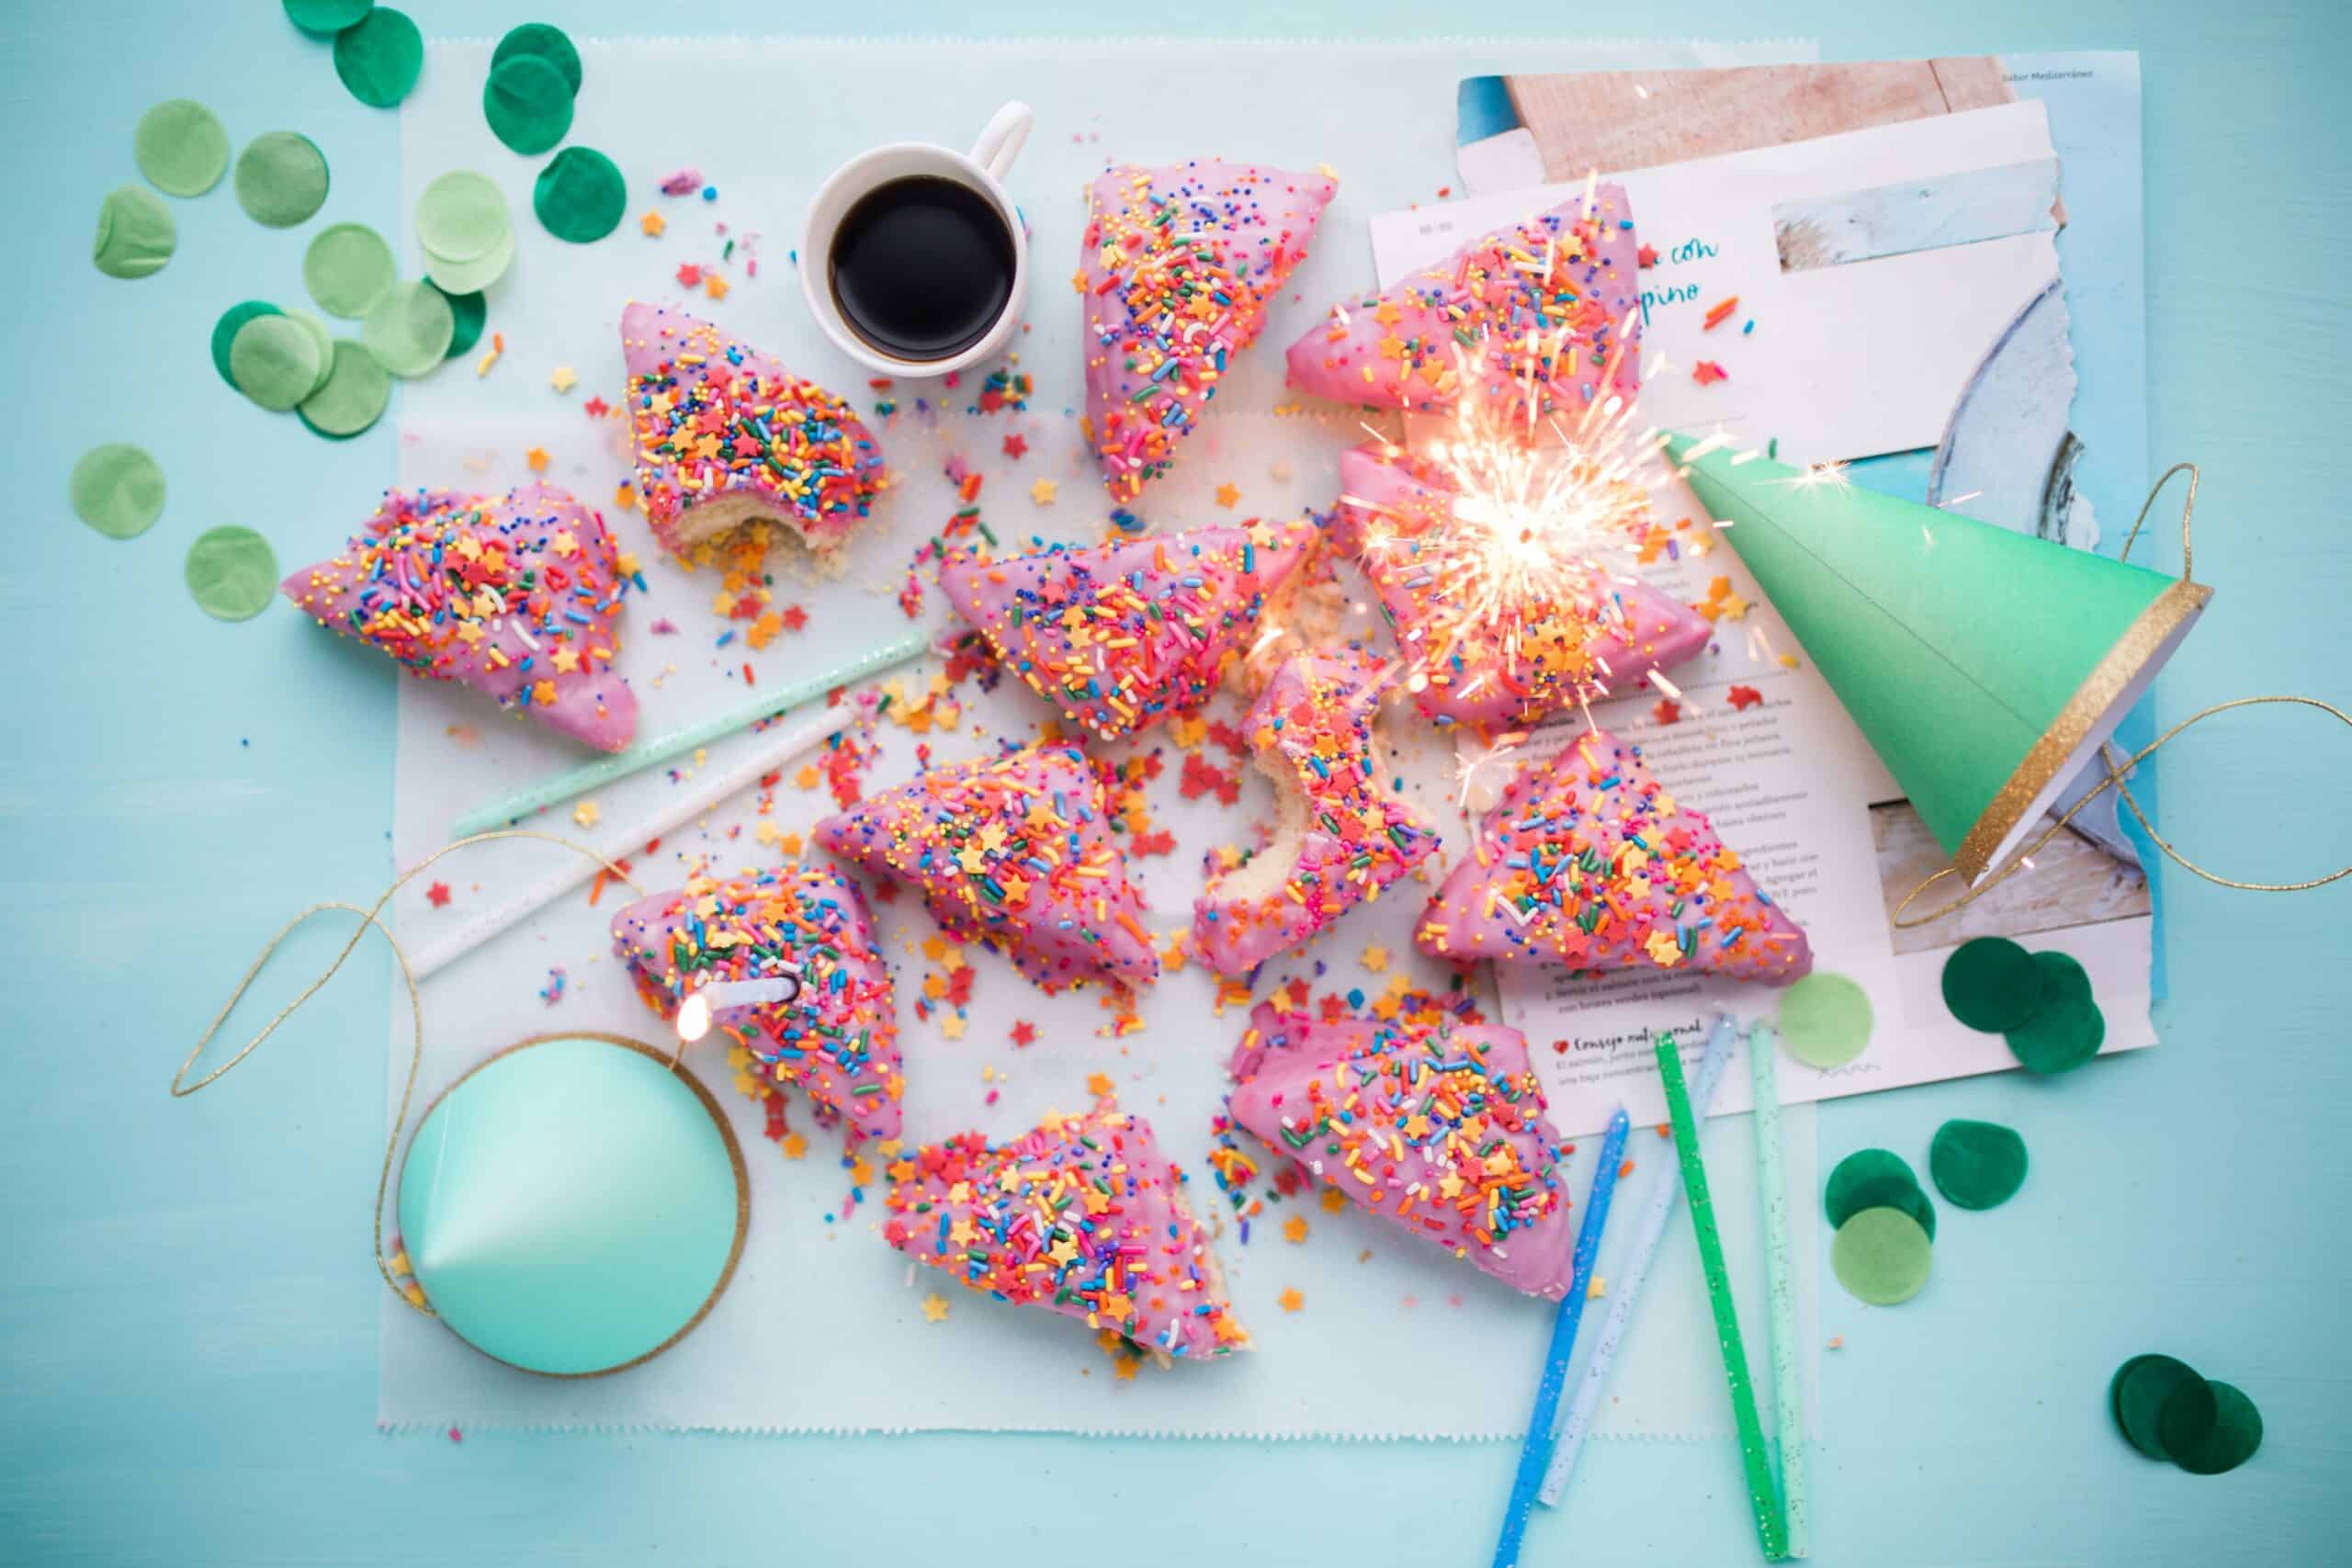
x=527 y=103
x=378 y=57
x=117 y=490
x=180 y=147
x=548 y=43
x=281 y=179
x=224 y=333
x=580 y=196
x=1863 y=1170
x=1990 y=984
x=325 y=19
x=1881 y=1256
x=2232 y=1439
x=2138 y=1394
x=2186 y=1417
x=136 y=234
x=1893 y=1192
x=231 y=573
x=1976 y=1165
x=468 y=311
x=2067 y=1029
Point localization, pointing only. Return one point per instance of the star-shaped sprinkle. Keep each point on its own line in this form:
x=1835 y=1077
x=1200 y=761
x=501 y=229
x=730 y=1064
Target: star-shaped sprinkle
x=1707 y=373
x=538 y=458
x=714 y=286
x=1645 y=256
x=653 y=223
x=1228 y=496
x=1099 y=1083
x=1375 y=958
x=689 y=275
x=562 y=378
x=1290 y=1300
x=1294 y=1228
x=1745 y=697
x=595 y=408
x=934 y=1308
x=1041 y=492
x=795 y=1145
x=625 y=498
x=586 y=814
x=1668 y=711
x=1016 y=445
x=1125 y=1368
x=1023 y=1033
x=1334 y=1200
x=437 y=894
x=952 y=1026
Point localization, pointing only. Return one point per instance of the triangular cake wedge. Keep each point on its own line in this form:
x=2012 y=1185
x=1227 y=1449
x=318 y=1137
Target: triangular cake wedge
x=1176 y=269
x=514 y=595
x=1122 y=636
x=1549 y=304
x=1341 y=834
x=1466 y=668
x=1083 y=1217
x=1589 y=862
x=723 y=435
x=836 y=1040
x=1014 y=852
x=1443 y=1132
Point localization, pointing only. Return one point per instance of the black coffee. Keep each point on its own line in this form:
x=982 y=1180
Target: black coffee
x=922 y=267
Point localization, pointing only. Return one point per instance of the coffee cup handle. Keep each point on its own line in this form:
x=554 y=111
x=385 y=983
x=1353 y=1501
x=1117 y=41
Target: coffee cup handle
x=1003 y=140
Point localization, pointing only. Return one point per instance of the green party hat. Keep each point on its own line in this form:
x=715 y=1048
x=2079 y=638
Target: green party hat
x=1984 y=666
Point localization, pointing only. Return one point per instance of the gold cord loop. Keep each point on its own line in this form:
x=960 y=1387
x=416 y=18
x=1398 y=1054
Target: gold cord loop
x=369 y=916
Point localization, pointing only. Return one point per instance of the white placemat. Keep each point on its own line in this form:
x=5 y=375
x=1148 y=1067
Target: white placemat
x=822 y=1328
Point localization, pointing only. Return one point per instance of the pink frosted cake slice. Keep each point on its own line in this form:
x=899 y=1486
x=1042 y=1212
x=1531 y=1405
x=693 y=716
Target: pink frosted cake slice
x=1014 y=852
x=1176 y=269
x=514 y=595
x=1341 y=834
x=1569 y=279
x=1590 y=863
x=1123 y=636
x=723 y=435
x=837 y=1039
x=1082 y=1216
x=1443 y=1132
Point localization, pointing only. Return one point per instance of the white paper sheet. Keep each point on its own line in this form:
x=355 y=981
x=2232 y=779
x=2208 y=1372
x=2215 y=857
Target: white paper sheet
x=1846 y=361
x=822 y=1326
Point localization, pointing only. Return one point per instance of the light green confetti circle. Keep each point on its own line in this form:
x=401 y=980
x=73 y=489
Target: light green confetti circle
x=408 y=328
x=461 y=216
x=322 y=340
x=180 y=147
x=378 y=57
x=274 y=360
x=471 y=277
x=346 y=267
x=1881 y=1256
x=136 y=234
x=1825 y=1020
x=231 y=573
x=281 y=179
x=117 y=490
x=357 y=390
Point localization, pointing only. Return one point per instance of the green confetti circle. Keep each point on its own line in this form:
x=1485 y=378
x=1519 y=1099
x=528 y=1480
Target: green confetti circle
x=461 y=216
x=180 y=147
x=1876 y=1178
x=468 y=310
x=357 y=390
x=1990 y=984
x=1976 y=1165
x=321 y=342
x=347 y=265
x=231 y=574
x=224 y=333
x=2068 y=1028
x=1881 y=1256
x=2185 y=1418
x=548 y=43
x=473 y=276
x=527 y=103
x=325 y=19
x=2235 y=1434
x=274 y=360
x=580 y=196
x=136 y=234
x=117 y=490
x=281 y=179
x=2139 y=1393
x=378 y=57
x=1825 y=1020
x=408 y=328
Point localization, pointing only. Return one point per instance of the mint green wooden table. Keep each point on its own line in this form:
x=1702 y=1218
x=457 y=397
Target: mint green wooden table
x=187 y=1315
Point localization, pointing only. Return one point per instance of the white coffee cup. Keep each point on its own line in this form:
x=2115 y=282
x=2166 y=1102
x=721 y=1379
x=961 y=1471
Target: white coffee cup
x=982 y=170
